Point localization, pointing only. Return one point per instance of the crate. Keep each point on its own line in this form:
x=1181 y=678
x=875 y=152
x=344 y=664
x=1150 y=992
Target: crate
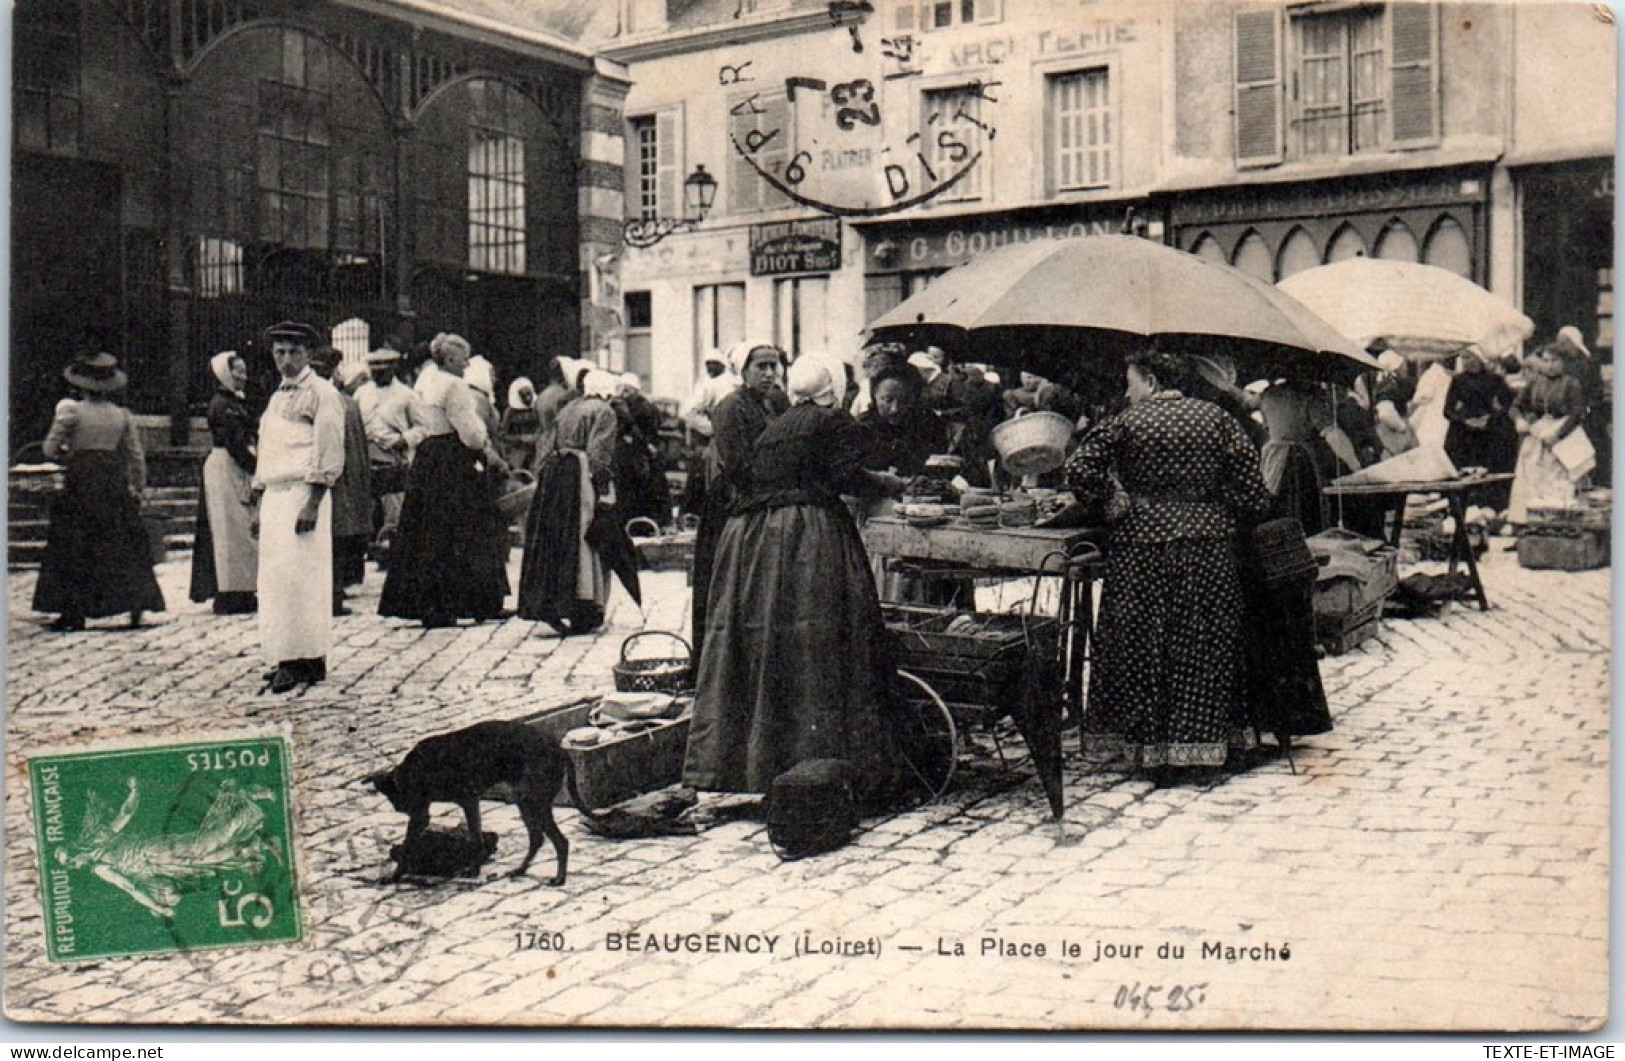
x=1575 y=551
x=620 y=769
x=1338 y=634
x=925 y=635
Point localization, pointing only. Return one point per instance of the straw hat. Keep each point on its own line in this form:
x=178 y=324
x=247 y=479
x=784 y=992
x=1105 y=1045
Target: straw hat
x=96 y=374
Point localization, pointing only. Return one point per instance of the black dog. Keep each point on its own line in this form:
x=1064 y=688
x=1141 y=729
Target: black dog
x=462 y=767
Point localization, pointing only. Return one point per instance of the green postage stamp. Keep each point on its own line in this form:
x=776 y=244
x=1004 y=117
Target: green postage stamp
x=167 y=848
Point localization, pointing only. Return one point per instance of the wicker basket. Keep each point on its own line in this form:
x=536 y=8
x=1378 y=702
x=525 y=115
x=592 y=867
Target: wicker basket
x=1032 y=443
x=513 y=497
x=656 y=674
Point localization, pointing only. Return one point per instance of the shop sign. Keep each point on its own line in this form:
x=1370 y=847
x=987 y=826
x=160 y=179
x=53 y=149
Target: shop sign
x=795 y=247
x=1382 y=193
x=944 y=249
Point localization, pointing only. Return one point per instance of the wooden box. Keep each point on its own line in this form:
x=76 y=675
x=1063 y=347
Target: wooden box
x=1575 y=551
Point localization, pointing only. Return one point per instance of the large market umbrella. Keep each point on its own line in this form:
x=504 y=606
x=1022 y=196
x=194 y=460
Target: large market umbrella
x=1053 y=303
x=1414 y=306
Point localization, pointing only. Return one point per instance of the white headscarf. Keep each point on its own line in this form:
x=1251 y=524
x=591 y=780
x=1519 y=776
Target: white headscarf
x=1571 y=335
x=812 y=379
x=630 y=381
x=600 y=384
x=481 y=377
x=739 y=354
x=220 y=365
x=517 y=389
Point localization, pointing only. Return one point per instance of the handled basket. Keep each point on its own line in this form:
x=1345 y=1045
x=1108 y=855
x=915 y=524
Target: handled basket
x=654 y=674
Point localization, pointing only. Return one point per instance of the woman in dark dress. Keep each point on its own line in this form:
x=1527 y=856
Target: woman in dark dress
x=905 y=431
x=735 y=424
x=98 y=559
x=1478 y=406
x=564 y=580
x=796 y=666
x=225 y=554
x=442 y=567
x=1166 y=689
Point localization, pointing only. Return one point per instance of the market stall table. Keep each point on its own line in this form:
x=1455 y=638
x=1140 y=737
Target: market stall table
x=1453 y=491
x=1068 y=554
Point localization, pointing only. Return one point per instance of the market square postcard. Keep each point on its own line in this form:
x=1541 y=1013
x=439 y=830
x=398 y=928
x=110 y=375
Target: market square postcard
x=957 y=515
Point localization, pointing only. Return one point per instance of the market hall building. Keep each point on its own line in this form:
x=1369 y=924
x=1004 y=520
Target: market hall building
x=186 y=172
x=1274 y=137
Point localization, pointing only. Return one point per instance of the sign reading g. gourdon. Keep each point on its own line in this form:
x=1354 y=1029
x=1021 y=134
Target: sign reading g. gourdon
x=795 y=247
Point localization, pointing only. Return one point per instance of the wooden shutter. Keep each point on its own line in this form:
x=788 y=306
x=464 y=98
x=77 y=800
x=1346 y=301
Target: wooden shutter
x=669 y=164
x=1413 y=64
x=1258 y=87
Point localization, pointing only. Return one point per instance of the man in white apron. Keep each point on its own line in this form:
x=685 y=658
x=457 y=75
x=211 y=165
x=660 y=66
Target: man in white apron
x=301 y=455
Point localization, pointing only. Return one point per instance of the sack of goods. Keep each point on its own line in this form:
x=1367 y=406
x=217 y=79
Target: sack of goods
x=810 y=809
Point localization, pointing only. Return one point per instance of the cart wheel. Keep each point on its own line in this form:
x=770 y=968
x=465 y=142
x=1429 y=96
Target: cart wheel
x=927 y=737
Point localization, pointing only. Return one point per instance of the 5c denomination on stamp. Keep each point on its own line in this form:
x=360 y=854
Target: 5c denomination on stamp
x=167 y=848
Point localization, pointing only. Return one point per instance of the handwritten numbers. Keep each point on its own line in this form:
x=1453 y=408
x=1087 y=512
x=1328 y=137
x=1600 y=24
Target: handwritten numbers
x=733 y=75
x=1146 y=999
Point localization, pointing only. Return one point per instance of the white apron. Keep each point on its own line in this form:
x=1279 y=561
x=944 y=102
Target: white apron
x=226 y=492
x=1539 y=478
x=592 y=576
x=296 y=570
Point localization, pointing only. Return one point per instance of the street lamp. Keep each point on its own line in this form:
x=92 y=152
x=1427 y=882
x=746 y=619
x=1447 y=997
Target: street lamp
x=699 y=193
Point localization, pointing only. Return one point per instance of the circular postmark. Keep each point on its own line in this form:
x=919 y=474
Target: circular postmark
x=850 y=132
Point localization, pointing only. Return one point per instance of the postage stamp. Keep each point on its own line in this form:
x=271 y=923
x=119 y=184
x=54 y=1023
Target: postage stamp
x=166 y=848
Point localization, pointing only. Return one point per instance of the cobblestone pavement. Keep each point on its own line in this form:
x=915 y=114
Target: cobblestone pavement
x=1440 y=861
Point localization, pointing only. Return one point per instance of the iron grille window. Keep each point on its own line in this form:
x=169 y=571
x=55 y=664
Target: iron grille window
x=219 y=267
x=496 y=201
x=295 y=144
x=1081 y=130
x=496 y=181
x=46 y=80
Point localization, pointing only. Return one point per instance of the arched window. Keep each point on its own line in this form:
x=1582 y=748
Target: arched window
x=1207 y=247
x=1298 y=252
x=1253 y=258
x=1347 y=243
x=352 y=338
x=1396 y=243
x=1448 y=247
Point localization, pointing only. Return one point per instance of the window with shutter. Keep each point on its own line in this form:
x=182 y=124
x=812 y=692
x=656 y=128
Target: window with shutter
x=1362 y=77
x=1258 y=87
x=1414 y=65
x=952 y=130
x=763 y=121
x=1081 y=133
x=669 y=164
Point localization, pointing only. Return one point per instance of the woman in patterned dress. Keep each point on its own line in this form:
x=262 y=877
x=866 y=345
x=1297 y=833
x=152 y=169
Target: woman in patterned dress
x=1176 y=478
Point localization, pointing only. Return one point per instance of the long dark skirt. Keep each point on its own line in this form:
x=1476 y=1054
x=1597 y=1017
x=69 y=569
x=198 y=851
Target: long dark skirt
x=1166 y=686
x=441 y=565
x=796 y=665
x=717 y=501
x=549 y=583
x=1284 y=689
x=98 y=559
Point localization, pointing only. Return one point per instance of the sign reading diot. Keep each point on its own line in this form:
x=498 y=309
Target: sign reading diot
x=795 y=247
